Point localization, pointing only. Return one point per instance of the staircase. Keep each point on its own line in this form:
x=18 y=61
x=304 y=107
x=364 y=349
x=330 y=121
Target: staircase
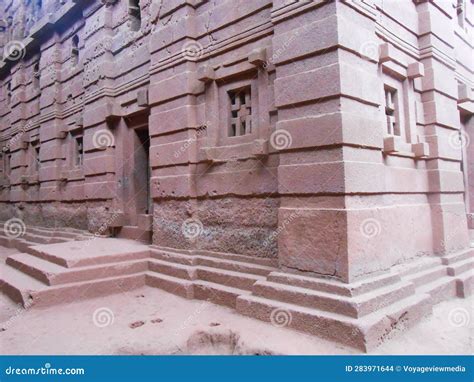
x=217 y=277
x=60 y=266
x=65 y=272
x=40 y=235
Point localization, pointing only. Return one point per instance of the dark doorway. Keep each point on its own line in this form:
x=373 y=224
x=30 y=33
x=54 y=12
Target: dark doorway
x=141 y=173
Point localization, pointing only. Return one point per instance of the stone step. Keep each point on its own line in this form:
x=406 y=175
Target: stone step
x=461 y=267
x=28 y=291
x=211 y=262
x=458 y=256
x=174 y=285
x=172 y=257
x=465 y=284
x=364 y=333
x=134 y=233
x=349 y=306
x=18 y=285
x=33 y=238
x=53 y=274
x=424 y=277
x=440 y=290
x=334 y=286
x=417 y=265
x=218 y=293
x=232 y=265
x=66 y=293
x=228 y=278
x=271 y=263
x=172 y=269
x=70 y=255
x=63 y=233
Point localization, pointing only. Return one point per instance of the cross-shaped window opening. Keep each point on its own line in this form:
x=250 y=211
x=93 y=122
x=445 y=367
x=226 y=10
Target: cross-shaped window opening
x=240 y=112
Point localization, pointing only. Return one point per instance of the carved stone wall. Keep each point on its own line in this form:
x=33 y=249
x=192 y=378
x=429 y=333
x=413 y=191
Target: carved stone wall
x=327 y=135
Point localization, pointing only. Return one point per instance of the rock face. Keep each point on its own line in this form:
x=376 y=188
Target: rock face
x=301 y=133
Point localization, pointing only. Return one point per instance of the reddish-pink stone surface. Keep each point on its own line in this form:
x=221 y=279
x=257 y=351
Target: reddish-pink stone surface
x=301 y=135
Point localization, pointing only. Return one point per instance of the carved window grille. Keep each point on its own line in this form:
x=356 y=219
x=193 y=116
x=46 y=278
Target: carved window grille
x=134 y=15
x=36 y=157
x=75 y=50
x=392 y=111
x=36 y=76
x=78 y=151
x=460 y=12
x=240 y=112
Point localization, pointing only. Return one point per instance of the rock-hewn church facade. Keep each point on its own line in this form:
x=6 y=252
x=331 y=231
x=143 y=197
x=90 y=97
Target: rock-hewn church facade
x=314 y=157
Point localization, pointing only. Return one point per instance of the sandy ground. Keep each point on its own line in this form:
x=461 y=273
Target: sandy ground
x=150 y=321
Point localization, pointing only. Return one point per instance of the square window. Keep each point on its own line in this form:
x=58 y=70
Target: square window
x=240 y=112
